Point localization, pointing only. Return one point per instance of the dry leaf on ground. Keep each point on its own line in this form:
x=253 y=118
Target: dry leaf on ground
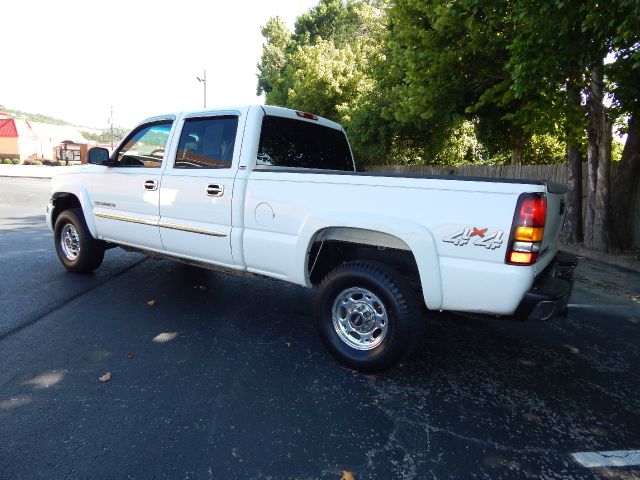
x=130 y=355
x=106 y=377
x=151 y=303
x=346 y=475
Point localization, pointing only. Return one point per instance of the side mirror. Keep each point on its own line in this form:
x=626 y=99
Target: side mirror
x=99 y=156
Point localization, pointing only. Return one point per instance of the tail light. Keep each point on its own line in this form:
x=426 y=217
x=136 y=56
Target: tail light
x=528 y=229
x=308 y=116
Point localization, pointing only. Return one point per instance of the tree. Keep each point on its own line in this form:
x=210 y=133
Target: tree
x=325 y=65
x=560 y=52
x=624 y=85
x=454 y=62
x=104 y=136
x=271 y=79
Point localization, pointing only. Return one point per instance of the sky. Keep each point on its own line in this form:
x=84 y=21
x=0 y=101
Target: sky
x=75 y=59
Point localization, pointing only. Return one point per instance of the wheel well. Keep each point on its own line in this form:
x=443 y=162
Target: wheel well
x=62 y=202
x=325 y=255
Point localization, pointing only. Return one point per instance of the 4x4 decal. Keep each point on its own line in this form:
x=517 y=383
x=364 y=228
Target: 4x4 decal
x=486 y=239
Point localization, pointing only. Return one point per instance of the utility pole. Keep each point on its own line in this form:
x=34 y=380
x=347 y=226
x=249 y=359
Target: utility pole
x=204 y=81
x=111 y=136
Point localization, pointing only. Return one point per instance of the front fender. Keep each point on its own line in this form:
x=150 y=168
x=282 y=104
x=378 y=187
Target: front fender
x=82 y=194
x=419 y=239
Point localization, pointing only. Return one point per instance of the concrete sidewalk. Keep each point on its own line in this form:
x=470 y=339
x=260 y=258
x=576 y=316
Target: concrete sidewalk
x=30 y=171
x=629 y=261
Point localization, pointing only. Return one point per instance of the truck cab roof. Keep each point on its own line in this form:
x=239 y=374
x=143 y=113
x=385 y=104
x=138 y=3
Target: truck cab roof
x=243 y=109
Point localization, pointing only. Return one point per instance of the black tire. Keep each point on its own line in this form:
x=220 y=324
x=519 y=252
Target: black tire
x=90 y=252
x=400 y=309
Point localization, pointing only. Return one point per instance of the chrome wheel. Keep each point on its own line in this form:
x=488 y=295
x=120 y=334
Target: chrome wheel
x=360 y=318
x=70 y=242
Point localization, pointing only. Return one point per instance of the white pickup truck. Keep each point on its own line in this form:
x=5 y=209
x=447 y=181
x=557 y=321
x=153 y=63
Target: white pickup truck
x=274 y=192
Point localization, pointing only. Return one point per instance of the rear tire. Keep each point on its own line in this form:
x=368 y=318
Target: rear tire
x=367 y=315
x=77 y=250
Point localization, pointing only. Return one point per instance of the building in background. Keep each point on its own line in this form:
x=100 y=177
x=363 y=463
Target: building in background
x=24 y=140
x=9 y=147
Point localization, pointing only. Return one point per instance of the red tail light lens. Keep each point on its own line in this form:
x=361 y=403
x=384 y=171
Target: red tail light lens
x=532 y=211
x=528 y=229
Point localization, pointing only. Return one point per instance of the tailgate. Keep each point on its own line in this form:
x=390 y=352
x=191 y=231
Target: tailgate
x=556 y=208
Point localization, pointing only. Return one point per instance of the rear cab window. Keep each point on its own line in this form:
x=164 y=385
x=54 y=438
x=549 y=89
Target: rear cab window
x=290 y=143
x=207 y=142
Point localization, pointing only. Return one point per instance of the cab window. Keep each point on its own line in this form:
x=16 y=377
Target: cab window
x=145 y=146
x=289 y=143
x=207 y=142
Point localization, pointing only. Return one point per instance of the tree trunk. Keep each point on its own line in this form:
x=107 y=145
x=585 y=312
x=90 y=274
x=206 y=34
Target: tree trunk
x=572 y=231
x=599 y=176
x=573 y=224
x=592 y=176
x=517 y=150
x=625 y=182
x=516 y=156
x=601 y=221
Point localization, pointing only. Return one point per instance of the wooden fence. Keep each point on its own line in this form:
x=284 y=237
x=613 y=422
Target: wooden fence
x=554 y=173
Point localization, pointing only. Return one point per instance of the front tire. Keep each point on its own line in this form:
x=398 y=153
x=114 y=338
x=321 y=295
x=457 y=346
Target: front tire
x=77 y=250
x=367 y=315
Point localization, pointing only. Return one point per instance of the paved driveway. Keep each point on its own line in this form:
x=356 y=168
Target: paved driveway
x=224 y=377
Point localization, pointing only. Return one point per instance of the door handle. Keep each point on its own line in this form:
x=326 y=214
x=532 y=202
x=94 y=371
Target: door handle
x=214 y=190
x=151 y=185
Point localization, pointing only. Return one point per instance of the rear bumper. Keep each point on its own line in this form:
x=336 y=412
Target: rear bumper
x=550 y=293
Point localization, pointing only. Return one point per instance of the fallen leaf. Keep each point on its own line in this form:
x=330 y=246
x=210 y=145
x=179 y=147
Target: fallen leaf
x=130 y=355
x=346 y=475
x=571 y=348
x=151 y=303
x=106 y=377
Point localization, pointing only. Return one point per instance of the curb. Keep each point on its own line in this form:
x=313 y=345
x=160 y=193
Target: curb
x=30 y=171
x=628 y=261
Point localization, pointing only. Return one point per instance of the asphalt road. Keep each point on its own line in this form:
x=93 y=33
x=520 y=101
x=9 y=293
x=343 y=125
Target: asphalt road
x=224 y=377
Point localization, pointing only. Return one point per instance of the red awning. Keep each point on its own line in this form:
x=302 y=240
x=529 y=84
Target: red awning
x=8 y=128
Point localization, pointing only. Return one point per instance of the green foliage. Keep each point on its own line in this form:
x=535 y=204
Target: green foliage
x=462 y=147
x=104 y=136
x=271 y=80
x=7 y=161
x=16 y=161
x=617 y=146
x=544 y=149
x=450 y=61
x=36 y=117
x=464 y=82
x=326 y=66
